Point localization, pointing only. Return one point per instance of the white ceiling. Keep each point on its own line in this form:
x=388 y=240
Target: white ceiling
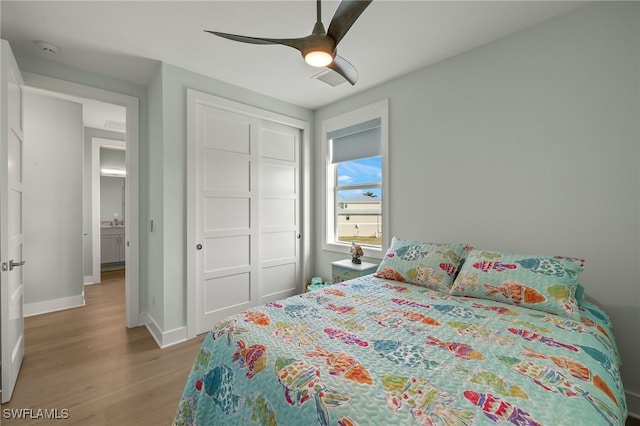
x=127 y=39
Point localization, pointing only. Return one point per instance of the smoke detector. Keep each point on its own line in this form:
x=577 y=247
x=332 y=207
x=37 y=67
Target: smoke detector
x=47 y=47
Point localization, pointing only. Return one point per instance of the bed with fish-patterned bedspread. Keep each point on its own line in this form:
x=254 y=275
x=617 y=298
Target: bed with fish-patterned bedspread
x=372 y=351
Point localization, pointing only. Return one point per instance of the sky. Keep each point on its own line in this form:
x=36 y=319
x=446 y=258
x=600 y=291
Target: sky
x=366 y=170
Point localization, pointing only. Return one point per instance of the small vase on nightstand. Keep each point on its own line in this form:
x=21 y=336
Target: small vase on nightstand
x=356 y=253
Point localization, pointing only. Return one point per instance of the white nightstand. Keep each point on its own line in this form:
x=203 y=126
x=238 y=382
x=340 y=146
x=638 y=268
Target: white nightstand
x=343 y=270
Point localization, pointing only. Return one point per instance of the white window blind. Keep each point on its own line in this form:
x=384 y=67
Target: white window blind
x=362 y=140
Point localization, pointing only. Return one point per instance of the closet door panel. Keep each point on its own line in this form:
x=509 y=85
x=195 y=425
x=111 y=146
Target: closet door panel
x=279 y=211
x=227 y=216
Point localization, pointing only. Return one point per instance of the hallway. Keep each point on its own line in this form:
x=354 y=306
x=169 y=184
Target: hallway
x=84 y=362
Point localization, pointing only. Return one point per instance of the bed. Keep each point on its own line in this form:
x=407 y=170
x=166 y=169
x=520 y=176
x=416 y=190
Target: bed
x=442 y=334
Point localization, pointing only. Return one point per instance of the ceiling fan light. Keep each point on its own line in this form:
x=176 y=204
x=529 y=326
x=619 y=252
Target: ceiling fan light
x=318 y=58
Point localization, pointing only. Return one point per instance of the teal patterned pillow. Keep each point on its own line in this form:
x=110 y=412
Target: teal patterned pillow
x=579 y=288
x=538 y=282
x=580 y=294
x=432 y=265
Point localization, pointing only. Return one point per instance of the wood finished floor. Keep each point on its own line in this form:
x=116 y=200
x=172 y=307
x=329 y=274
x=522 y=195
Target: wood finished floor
x=85 y=360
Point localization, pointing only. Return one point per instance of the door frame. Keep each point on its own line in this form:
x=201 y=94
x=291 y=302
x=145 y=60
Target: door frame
x=96 y=144
x=195 y=97
x=132 y=207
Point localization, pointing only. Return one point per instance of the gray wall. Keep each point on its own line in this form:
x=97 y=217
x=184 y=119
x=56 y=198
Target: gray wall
x=52 y=198
x=154 y=294
x=112 y=187
x=529 y=144
x=111 y=198
x=113 y=158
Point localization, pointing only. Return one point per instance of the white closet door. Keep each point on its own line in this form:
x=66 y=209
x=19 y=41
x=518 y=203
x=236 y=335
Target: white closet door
x=244 y=208
x=227 y=267
x=279 y=211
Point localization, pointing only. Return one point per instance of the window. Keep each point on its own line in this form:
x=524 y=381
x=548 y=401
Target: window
x=355 y=146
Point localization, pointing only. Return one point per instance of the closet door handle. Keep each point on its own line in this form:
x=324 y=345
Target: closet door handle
x=13 y=264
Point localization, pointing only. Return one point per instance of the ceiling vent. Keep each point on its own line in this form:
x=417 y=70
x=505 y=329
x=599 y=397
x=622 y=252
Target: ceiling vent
x=330 y=77
x=116 y=126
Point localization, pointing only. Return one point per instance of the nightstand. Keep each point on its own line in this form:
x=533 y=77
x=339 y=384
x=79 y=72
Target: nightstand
x=343 y=270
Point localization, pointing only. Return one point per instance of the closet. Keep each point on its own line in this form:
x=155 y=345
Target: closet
x=245 y=188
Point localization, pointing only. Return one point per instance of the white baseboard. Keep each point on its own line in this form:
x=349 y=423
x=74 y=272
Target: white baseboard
x=163 y=339
x=88 y=279
x=47 y=306
x=633 y=404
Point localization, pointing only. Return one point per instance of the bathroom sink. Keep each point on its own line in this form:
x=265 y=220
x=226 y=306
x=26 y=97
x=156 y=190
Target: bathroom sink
x=107 y=224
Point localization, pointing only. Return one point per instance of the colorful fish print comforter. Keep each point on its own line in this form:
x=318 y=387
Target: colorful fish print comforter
x=371 y=352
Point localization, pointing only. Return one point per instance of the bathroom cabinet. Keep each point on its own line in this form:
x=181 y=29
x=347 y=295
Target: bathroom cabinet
x=112 y=244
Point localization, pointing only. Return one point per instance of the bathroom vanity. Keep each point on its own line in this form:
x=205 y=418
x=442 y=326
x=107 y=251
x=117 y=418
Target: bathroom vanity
x=112 y=244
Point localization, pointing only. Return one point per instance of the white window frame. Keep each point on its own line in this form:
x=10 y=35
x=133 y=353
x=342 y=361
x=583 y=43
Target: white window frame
x=373 y=111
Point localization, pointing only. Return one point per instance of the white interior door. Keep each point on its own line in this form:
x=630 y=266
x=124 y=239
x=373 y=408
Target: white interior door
x=11 y=277
x=244 y=198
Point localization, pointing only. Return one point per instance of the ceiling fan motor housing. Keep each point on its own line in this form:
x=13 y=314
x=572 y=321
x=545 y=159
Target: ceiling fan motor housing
x=318 y=42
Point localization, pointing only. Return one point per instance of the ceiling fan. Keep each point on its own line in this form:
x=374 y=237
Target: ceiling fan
x=319 y=48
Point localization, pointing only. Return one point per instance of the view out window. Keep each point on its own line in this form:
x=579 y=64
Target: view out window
x=355 y=185
x=357 y=168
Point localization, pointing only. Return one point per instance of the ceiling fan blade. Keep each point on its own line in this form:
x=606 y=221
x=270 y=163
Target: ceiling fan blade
x=345 y=69
x=296 y=43
x=346 y=14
